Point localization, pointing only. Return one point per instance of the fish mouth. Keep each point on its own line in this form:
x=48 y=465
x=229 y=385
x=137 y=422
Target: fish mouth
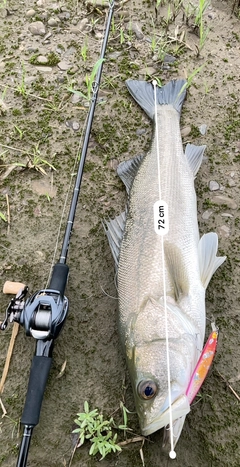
x=179 y=408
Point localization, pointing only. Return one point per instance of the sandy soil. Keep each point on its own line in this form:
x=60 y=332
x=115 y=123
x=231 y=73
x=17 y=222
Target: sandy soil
x=41 y=117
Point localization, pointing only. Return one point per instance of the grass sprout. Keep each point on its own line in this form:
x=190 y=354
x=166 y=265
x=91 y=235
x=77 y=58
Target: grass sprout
x=3 y=217
x=99 y=432
x=89 y=81
x=199 y=22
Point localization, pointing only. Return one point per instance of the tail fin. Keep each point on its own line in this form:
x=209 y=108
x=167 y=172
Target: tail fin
x=173 y=93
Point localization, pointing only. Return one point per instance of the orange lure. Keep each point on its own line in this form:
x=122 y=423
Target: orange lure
x=203 y=365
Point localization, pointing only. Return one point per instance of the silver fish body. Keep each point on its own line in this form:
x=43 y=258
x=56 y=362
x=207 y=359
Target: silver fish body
x=162 y=279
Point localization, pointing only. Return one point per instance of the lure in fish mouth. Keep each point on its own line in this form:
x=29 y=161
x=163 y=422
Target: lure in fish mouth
x=162 y=279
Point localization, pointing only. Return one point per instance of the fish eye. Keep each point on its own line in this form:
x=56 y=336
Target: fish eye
x=147 y=389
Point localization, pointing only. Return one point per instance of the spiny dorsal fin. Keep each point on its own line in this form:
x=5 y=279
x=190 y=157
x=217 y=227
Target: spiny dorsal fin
x=194 y=156
x=208 y=261
x=114 y=230
x=127 y=170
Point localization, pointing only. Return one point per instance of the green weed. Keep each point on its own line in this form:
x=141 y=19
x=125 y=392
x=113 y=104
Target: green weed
x=89 y=81
x=21 y=88
x=3 y=217
x=84 y=50
x=34 y=161
x=101 y=433
x=190 y=78
x=19 y=132
x=199 y=22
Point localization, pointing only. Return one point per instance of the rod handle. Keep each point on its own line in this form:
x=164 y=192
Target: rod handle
x=36 y=386
x=59 y=277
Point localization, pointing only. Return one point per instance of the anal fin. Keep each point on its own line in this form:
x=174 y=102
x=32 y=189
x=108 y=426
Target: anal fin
x=209 y=262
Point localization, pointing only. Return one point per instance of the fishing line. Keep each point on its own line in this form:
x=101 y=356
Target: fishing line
x=162 y=211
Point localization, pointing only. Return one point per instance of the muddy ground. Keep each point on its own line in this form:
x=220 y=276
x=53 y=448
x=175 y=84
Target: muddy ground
x=41 y=116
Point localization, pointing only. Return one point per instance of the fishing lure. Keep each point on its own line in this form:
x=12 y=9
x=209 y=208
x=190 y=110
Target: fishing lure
x=203 y=365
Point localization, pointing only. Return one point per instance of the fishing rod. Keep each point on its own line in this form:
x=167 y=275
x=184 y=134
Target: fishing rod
x=44 y=313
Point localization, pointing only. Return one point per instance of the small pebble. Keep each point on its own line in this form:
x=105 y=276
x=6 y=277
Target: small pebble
x=219 y=200
x=224 y=231
x=213 y=186
x=207 y=214
x=30 y=13
x=64 y=66
x=136 y=29
x=231 y=182
x=114 y=55
x=65 y=15
x=74 y=30
x=203 y=129
x=97 y=3
x=74 y=69
x=37 y=28
x=42 y=60
x=45 y=69
x=75 y=98
x=186 y=131
x=75 y=125
x=140 y=131
x=169 y=58
x=83 y=24
x=149 y=71
x=53 y=21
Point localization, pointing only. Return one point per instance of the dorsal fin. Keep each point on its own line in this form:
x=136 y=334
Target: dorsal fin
x=127 y=170
x=194 y=156
x=114 y=230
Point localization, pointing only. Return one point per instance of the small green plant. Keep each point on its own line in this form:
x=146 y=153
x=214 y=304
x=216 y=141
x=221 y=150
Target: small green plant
x=36 y=162
x=122 y=37
x=21 y=88
x=101 y=433
x=89 y=81
x=19 y=131
x=190 y=78
x=199 y=23
x=84 y=50
x=3 y=217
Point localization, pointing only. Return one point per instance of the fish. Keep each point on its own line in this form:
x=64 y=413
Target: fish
x=162 y=279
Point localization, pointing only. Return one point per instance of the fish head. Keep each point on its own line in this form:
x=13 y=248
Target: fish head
x=150 y=364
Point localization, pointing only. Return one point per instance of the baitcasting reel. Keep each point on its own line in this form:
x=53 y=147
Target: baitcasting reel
x=42 y=315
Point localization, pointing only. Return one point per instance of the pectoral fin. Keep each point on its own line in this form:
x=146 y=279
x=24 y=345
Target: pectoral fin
x=208 y=261
x=177 y=270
